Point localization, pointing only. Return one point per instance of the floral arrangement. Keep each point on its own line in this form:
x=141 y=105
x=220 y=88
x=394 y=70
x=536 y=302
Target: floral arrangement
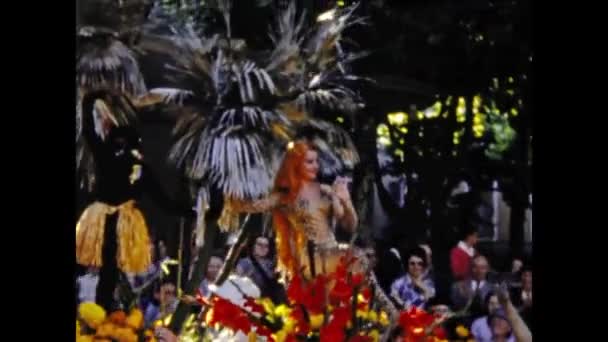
x=93 y=324
x=334 y=307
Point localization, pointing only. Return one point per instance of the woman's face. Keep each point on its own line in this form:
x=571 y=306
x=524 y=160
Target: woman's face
x=415 y=266
x=260 y=248
x=213 y=268
x=310 y=167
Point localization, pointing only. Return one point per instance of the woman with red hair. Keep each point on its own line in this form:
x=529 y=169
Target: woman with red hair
x=304 y=212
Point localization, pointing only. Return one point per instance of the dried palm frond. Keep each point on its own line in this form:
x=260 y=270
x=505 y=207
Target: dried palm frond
x=240 y=108
x=104 y=62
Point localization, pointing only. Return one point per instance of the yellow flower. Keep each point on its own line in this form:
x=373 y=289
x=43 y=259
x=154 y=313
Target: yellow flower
x=372 y=316
x=316 y=321
x=149 y=336
x=125 y=335
x=106 y=329
x=383 y=319
x=461 y=331
x=280 y=336
x=375 y=335
x=267 y=304
x=362 y=314
x=84 y=338
x=282 y=311
x=135 y=319
x=92 y=314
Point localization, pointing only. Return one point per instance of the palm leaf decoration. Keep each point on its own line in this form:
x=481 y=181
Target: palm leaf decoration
x=241 y=107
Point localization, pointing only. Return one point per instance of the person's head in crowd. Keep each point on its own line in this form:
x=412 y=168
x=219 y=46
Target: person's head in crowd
x=168 y=293
x=261 y=247
x=526 y=279
x=491 y=303
x=470 y=236
x=162 y=250
x=415 y=263
x=516 y=265
x=480 y=268
x=213 y=267
x=500 y=326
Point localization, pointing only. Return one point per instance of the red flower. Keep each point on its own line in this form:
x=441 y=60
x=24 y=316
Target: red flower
x=439 y=333
x=263 y=330
x=341 y=293
x=251 y=304
x=357 y=279
x=295 y=290
x=367 y=293
x=311 y=295
x=415 y=317
x=414 y=322
x=334 y=330
x=229 y=315
x=303 y=327
x=360 y=338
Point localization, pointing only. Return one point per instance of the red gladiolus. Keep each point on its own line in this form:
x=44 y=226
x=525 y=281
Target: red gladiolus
x=341 y=293
x=414 y=322
x=229 y=315
x=310 y=295
x=253 y=306
x=262 y=330
x=295 y=290
x=332 y=332
x=361 y=338
x=302 y=327
x=439 y=333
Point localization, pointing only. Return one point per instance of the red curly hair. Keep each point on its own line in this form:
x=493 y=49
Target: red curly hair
x=289 y=239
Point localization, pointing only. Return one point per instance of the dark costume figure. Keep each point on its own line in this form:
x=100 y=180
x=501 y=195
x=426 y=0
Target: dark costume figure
x=112 y=233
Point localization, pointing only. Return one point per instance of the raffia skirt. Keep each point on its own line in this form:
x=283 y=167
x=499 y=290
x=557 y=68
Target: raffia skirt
x=131 y=233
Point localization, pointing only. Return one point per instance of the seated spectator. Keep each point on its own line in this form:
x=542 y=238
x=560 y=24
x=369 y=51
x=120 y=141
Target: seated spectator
x=258 y=266
x=500 y=328
x=213 y=268
x=164 y=303
x=462 y=254
x=482 y=327
x=522 y=297
x=471 y=291
x=413 y=289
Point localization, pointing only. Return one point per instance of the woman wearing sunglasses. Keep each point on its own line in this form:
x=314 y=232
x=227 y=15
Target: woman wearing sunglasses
x=413 y=288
